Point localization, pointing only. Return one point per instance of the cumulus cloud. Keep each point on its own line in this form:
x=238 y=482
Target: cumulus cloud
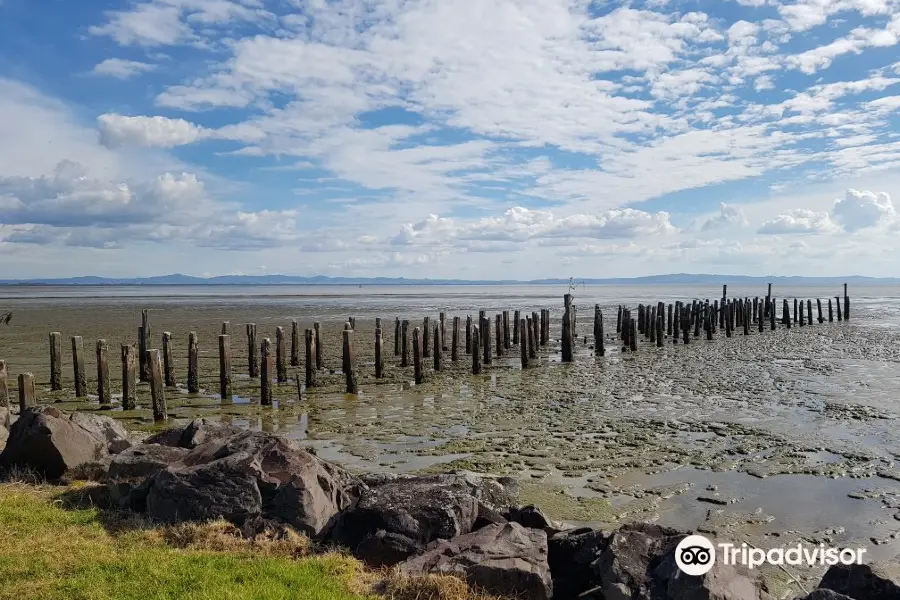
x=729 y=215
x=861 y=209
x=153 y=132
x=800 y=221
x=121 y=68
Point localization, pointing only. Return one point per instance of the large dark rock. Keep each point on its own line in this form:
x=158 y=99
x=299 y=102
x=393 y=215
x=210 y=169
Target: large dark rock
x=571 y=555
x=51 y=442
x=507 y=560
x=529 y=516
x=127 y=473
x=824 y=595
x=196 y=433
x=4 y=426
x=251 y=475
x=420 y=509
x=874 y=581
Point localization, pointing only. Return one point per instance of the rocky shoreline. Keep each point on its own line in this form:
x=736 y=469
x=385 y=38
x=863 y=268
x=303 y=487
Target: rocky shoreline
x=460 y=524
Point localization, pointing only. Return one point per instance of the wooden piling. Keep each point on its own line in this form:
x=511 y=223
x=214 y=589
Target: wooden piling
x=345 y=363
x=145 y=328
x=350 y=372
x=27 y=394
x=771 y=310
x=320 y=351
x=498 y=335
x=379 y=361
x=474 y=347
x=840 y=314
x=651 y=325
x=819 y=307
x=746 y=318
x=265 y=372
x=226 y=328
x=4 y=385
x=632 y=336
x=168 y=359
x=443 y=318
x=404 y=348
x=846 y=304
x=809 y=312
x=417 y=356
x=796 y=316
x=157 y=387
x=280 y=356
x=830 y=312
x=295 y=343
x=568 y=345
x=129 y=377
x=660 y=329
x=55 y=361
x=516 y=328
x=761 y=316
x=225 y=368
x=686 y=332
x=426 y=338
x=598 y=331
x=193 y=379
x=438 y=349
x=523 y=343
x=468 y=334
x=310 y=364
x=103 y=393
x=454 y=344
x=252 y=351
x=619 y=321
x=487 y=355
x=78 y=366
x=397 y=336
x=533 y=337
x=506 y=332
x=541 y=326
x=142 y=355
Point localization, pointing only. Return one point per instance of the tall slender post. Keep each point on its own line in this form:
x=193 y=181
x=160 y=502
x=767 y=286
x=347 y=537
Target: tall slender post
x=295 y=343
x=545 y=334
x=226 y=328
x=168 y=359
x=772 y=315
x=523 y=343
x=840 y=314
x=350 y=374
x=567 y=341
x=454 y=344
x=533 y=338
x=310 y=339
x=476 y=350
x=632 y=336
x=143 y=372
x=103 y=394
x=846 y=304
x=193 y=380
x=506 y=332
x=761 y=320
x=443 y=318
x=265 y=372
x=819 y=306
x=536 y=327
x=487 y=357
x=320 y=360
x=4 y=385
x=619 y=321
x=468 y=334
x=515 y=332
x=27 y=395
x=225 y=368
x=438 y=348
x=129 y=377
x=280 y=356
x=157 y=387
x=379 y=361
x=498 y=335
x=426 y=338
x=78 y=366
x=55 y=361
x=417 y=356
x=796 y=314
x=345 y=358
x=669 y=322
x=404 y=351
x=145 y=327
x=660 y=329
x=397 y=336
x=252 y=351
x=830 y=312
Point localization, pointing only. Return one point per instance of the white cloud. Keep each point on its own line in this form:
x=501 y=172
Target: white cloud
x=729 y=215
x=121 y=68
x=153 y=132
x=800 y=221
x=861 y=209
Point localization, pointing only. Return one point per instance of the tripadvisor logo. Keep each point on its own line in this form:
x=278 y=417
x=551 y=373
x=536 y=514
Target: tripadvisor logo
x=696 y=555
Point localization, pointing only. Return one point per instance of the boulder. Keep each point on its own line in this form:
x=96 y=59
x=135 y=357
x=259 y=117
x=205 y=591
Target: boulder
x=571 y=555
x=821 y=594
x=4 y=426
x=251 y=475
x=128 y=472
x=196 y=433
x=51 y=443
x=529 y=516
x=383 y=549
x=873 y=581
x=421 y=509
x=507 y=560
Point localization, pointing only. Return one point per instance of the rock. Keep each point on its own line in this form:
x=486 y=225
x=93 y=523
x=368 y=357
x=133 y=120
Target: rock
x=421 y=509
x=4 y=426
x=196 y=433
x=51 y=443
x=383 y=549
x=128 y=472
x=507 y=560
x=529 y=516
x=252 y=475
x=570 y=555
x=821 y=594
x=873 y=581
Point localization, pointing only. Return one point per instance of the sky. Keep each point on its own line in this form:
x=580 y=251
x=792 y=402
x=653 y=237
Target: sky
x=476 y=139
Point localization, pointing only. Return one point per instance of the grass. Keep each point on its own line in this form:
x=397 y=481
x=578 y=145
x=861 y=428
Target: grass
x=48 y=551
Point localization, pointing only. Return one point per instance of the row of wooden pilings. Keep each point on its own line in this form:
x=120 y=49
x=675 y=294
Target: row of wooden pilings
x=654 y=322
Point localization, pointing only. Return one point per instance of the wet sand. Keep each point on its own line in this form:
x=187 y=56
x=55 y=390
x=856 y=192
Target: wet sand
x=767 y=438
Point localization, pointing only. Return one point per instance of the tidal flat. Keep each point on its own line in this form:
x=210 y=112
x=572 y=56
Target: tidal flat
x=769 y=438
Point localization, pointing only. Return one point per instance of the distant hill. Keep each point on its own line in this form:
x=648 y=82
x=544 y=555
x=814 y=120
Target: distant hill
x=675 y=278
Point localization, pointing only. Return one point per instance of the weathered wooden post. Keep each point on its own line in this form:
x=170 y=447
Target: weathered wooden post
x=539 y=337
x=345 y=365
x=379 y=363
x=724 y=304
x=168 y=359
x=761 y=316
x=476 y=350
x=438 y=348
x=768 y=299
x=802 y=315
x=669 y=321
x=310 y=339
x=651 y=325
x=443 y=318
x=142 y=355
x=157 y=387
x=252 y=351
x=280 y=356
x=27 y=395
x=728 y=329
x=404 y=349
x=567 y=341
x=640 y=318
x=487 y=356
x=795 y=315
x=515 y=332
x=397 y=336
x=4 y=385
x=78 y=367
x=498 y=335
x=129 y=377
x=819 y=307
x=686 y=332
x=708 y=325
x=619 y=321
x=523 y=343
x=660 y=329
x=145 y=328
x=846 y=304
x=598 y=329
x=468 y=334
x=746 y=317
x=830 y=312
x=426 y=338
x=771 y=310
x=193 y=379
x=265 y=372
x=55 y=361
x=506 y=336
x=299 y=388
x=533 y=338
x=417 y=356
x=697 y=321
x=225 y=368
x=103 y=395
x=454 y=344
x=840 y=314
x=632 y=336
x=295 y=343
x=350 y=373
x=320 y=351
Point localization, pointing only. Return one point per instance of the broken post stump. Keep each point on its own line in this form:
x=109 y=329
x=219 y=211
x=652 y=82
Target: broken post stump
x=404 y=350
x=438 y=348
x=168 y=359
x=476 y=350
x=379 y=361
x=225 y=368
x=568 y=346
x=252 y=351
x=295 y=343
x=193 y=379
x=265 y=372
x=27 y=394
x=103 y=393
x=157 y=387
x=426 y=338
x=454 y=344
x=129 y=377
x=280 y=356
x=310 y=343
x=350 y=373
x=320 y=351
x=78 y=366
x=55 y=361
x=418 y=371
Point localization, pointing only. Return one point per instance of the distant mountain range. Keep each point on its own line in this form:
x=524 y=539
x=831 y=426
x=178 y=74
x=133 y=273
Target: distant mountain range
x=676 y=278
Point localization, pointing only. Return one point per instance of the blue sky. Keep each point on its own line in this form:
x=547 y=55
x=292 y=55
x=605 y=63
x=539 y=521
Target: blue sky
x=450 y=138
